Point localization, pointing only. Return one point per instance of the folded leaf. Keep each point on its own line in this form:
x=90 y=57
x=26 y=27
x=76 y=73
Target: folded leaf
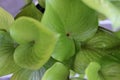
x=107 y=7
x=7 y=47
x=6 y=19
x=74 y=19
x=30 y=11
x=36 y=43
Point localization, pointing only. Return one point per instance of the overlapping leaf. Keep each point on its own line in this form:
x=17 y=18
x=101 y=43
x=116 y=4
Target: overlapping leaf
x=64 y=49
x=109 y=70
x=84 y=57
x=103 y=39
x=75 y=20
x=36 y=43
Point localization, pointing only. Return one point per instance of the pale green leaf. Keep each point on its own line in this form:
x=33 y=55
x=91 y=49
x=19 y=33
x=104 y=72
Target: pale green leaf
x=107 y=7
x=36 y=43
x=92 y=71
x=57 y=71
x=6 y=19
x=7 y=47
x=84 y=57
x=64 y=49
x=75 y=18
x=30 y=11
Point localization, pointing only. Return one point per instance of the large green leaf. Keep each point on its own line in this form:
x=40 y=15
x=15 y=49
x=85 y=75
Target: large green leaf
x=7 y=47
x=36 y=43
x=103 y=39
x=75 y=18
x=73 y=21
x=6 y=19
x=107 y=7
x=30 y=11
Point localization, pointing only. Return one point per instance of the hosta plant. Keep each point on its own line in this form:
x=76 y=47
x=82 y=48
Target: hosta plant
x=64 y=42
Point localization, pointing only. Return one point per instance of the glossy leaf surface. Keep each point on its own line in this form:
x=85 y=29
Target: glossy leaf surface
x=34 y=49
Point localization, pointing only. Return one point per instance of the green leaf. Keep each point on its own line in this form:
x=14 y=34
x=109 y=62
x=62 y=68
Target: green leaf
x=34 y=49
x=92 y=71
x=57 y=71
x=75 y=18
x=6 y=19
x=64 y=49
x=22 y=74
x=30 y=11
x=84 y=57
x=26 y=74
x=7 y=47
x=42 y=3
x=28 y=1
x=103 y=39
x=108 y=8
